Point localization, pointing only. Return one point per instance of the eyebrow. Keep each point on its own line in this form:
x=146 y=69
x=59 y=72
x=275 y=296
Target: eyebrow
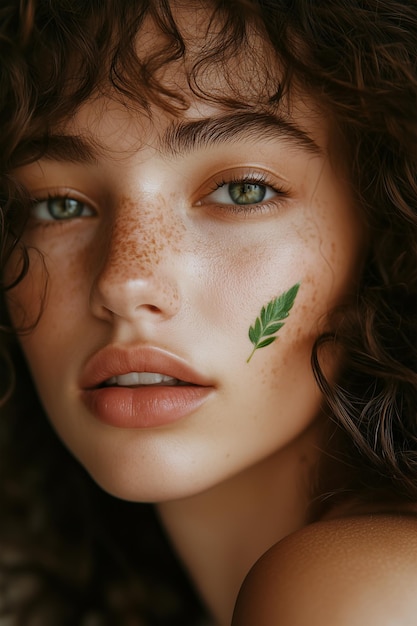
x=181 y=137
x=65 y=148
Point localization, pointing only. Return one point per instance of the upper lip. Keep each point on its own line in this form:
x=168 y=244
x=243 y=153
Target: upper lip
x=115 y=361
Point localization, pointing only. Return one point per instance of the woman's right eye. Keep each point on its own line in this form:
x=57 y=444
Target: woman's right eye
x=60 y=209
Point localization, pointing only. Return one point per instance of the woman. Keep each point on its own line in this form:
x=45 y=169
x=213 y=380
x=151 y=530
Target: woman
x=209 y=263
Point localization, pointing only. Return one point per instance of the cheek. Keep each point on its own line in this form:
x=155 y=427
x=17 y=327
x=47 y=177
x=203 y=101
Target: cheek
x=49 y=303
x=239 y=279
x=26 y=301
x=320 y=247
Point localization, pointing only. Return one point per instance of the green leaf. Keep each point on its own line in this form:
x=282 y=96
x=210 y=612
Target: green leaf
x=252 y=335
x=265 y=342
x=270 y=319
x=271 y=329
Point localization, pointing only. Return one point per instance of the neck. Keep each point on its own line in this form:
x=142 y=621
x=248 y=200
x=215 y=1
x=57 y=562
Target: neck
x=221 y=533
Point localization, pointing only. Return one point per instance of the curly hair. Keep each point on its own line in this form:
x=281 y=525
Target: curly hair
x=358 y=59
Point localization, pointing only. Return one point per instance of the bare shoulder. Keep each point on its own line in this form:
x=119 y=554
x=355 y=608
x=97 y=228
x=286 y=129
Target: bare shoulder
x=345 y=572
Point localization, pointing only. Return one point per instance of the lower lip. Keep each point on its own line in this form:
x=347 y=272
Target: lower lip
x=144 y=407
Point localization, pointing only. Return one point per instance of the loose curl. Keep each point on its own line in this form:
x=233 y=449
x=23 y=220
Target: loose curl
x=358 y=59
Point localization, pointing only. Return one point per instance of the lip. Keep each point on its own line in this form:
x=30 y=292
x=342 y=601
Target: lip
x=141 y=407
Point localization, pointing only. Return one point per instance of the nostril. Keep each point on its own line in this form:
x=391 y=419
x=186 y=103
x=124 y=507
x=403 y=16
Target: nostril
x=150 y=308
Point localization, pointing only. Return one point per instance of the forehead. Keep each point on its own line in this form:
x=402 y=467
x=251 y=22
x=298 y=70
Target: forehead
x=224 y=94
x=201 y=78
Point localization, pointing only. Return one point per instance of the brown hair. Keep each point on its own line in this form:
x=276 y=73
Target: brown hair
x=359 y=59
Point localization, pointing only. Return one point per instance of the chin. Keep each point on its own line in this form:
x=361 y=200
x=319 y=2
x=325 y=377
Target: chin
x=147 y=485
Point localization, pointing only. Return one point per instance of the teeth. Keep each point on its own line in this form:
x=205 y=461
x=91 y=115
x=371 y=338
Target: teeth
x=141 y=378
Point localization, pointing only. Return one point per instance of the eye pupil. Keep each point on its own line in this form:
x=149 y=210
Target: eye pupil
x=62 y=208
x=247 y=193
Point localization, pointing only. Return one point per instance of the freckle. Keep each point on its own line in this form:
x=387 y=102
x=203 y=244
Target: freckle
x=275 y=372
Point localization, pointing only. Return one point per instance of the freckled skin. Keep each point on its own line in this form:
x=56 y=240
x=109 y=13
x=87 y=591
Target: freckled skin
x=141 y=237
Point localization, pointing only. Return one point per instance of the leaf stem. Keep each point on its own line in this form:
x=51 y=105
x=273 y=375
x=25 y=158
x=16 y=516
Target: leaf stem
x=251 y=354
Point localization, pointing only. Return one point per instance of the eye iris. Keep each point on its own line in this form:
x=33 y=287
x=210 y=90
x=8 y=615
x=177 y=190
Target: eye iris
x=64 y=208
x=247 y=193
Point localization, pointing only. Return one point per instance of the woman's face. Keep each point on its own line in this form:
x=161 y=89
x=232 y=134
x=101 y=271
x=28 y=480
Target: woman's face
x=161 y=242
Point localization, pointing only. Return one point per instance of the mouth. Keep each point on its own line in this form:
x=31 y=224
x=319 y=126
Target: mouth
x=141 y=387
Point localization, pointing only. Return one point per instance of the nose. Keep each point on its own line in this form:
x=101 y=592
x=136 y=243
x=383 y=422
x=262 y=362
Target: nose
x=135 y=276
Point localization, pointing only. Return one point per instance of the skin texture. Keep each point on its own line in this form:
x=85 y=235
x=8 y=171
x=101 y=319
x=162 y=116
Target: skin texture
x=349 y=572
x=159 y=258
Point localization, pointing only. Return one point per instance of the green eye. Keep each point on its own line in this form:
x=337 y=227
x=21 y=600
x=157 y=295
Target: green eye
x=246 y=193
x=60 y=209
x=65 y=208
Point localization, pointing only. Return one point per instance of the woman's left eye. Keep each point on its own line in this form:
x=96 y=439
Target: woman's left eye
x=241 y=193
x=60 y=208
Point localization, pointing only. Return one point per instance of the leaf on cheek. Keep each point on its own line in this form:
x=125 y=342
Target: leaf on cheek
x=269 y=322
